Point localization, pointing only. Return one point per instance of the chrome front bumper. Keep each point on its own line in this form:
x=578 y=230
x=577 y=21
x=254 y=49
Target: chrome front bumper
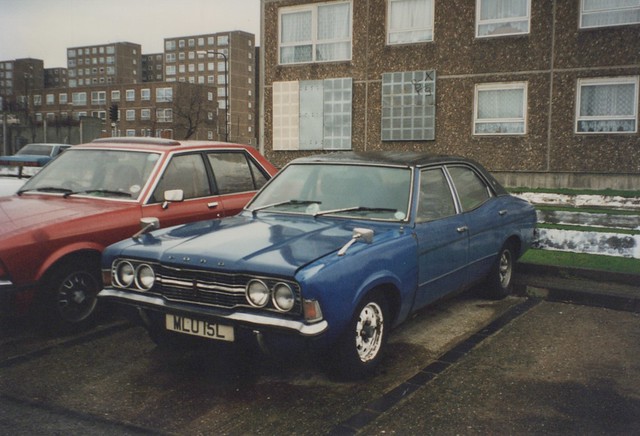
x=248 y=319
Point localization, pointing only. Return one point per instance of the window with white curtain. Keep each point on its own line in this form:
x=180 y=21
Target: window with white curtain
x=315 y=33
x=312 y=114
x=502 y=17
x=605 y=13
x=409 y=21
x=500 y=109
x=607 y=105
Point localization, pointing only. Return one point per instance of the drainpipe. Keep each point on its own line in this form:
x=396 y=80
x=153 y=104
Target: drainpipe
x=262 y=63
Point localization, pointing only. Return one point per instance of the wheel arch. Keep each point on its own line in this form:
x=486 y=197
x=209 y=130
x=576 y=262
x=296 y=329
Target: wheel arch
x=56 y=260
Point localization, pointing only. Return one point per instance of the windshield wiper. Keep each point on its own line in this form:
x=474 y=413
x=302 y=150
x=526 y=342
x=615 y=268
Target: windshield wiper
x=65 y=191
x=283 y=203
x=355 y=209
x=99 y=191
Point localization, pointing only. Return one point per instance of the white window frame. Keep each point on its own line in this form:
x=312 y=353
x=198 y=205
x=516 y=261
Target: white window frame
x=79 y=98
x=630 y=13
x=607 y=81
x=130 y=115
x=164 y=95
x=500 y=86
x=98 y=97
x=502 y=22
x=145 y=114
x=314 y=42
x=130 y=95
x=427 y=27
x=164 y=115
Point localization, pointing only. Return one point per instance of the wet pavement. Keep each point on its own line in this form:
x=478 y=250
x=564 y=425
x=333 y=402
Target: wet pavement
x=560 y=358
x=556 y=369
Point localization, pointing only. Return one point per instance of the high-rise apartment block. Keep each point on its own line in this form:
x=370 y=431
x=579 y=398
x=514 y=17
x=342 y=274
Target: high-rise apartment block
x=106 y=64
x=227 y=61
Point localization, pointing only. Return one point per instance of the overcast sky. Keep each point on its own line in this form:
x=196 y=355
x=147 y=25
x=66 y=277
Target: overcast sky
x=44 y=29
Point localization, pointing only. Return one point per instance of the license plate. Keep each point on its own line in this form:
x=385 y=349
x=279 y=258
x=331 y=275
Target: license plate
x=196 y=327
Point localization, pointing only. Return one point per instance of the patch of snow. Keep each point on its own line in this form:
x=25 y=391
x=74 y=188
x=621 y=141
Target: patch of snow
x=614 y=202
x=611 y=244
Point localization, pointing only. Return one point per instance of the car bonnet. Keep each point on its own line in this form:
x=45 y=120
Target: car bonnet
x=243 y=243
x=19 y=214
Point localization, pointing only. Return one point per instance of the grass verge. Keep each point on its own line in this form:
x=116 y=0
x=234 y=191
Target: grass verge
x=581 y=260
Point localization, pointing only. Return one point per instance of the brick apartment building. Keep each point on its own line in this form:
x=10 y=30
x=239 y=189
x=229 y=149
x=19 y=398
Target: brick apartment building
x=542 y=92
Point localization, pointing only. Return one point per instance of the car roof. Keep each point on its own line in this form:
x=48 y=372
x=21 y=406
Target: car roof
x=399 y=158
x=411 y=159
x=156 y=144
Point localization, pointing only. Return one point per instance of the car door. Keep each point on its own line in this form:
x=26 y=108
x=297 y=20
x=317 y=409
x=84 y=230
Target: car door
x=442 y=238
x=483 y=217
x=188 y=172
x=237 y=177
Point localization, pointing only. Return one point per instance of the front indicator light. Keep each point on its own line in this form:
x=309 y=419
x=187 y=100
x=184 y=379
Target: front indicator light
x=257 y=293
x=145 y=277
x=312 y=311
x=283 y=298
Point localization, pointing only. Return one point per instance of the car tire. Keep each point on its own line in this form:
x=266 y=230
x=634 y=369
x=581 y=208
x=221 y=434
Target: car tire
x=360 y=349
x=70 y=297
x=500 y=280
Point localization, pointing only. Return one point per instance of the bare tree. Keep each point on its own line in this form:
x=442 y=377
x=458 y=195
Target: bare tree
x=190 y=108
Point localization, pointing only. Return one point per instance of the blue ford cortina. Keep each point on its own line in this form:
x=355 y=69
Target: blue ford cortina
x=333 y=252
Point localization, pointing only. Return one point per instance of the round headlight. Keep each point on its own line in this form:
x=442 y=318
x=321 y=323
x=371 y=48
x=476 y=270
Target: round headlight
x=145 y=277
x=283 y=297
x=257 y=293
x=125 y=274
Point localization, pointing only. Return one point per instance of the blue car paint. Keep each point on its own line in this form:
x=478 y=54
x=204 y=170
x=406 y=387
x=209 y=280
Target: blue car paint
x=411 y=261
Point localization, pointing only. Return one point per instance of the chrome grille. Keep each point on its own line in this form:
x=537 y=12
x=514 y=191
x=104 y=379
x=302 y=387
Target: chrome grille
x=213 y=288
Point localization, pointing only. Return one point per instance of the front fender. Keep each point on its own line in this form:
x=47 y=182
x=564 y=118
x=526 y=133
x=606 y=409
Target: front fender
x=65 y=251
x=339 y=283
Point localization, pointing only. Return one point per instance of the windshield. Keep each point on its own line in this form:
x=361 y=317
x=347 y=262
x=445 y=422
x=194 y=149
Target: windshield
x=100 y=173
x=367 y=192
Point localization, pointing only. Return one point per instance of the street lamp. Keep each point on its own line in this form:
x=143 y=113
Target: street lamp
x=226 y=88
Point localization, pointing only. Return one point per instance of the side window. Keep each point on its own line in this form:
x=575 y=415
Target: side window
x=186 y=172
x=472 y=190
x=235 y=173
x=435 y=200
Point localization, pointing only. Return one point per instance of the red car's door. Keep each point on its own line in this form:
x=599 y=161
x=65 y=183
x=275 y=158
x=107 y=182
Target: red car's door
x=215 y=184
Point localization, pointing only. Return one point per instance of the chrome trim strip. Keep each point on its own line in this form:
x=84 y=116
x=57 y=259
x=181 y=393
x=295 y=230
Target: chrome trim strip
x=240 y=317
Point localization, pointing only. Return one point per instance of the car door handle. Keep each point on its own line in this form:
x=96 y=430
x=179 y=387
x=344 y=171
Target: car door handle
x=212 y=205
x=503 y=212
x=462 y=229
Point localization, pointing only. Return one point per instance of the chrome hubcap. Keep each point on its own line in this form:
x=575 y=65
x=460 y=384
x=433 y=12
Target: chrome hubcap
x=369 y=331
x=505 y=268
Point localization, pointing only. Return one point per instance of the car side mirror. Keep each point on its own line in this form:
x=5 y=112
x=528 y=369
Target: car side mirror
x=171 y=196
x=359 y=234
x=146 y=225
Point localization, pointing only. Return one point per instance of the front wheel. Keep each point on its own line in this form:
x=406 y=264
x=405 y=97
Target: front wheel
x=361 y=347
x=70 y=299
x=499 y=282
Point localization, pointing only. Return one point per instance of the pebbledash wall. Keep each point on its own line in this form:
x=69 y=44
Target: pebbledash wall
x=550 y=65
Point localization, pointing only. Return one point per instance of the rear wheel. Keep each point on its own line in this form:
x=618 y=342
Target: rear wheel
x=499 y=283
x=361 y=347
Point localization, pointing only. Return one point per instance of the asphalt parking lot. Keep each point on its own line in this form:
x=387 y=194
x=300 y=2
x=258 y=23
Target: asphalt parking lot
x=525 y=365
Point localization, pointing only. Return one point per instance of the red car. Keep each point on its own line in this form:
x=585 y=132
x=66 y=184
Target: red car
x=53 y=230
